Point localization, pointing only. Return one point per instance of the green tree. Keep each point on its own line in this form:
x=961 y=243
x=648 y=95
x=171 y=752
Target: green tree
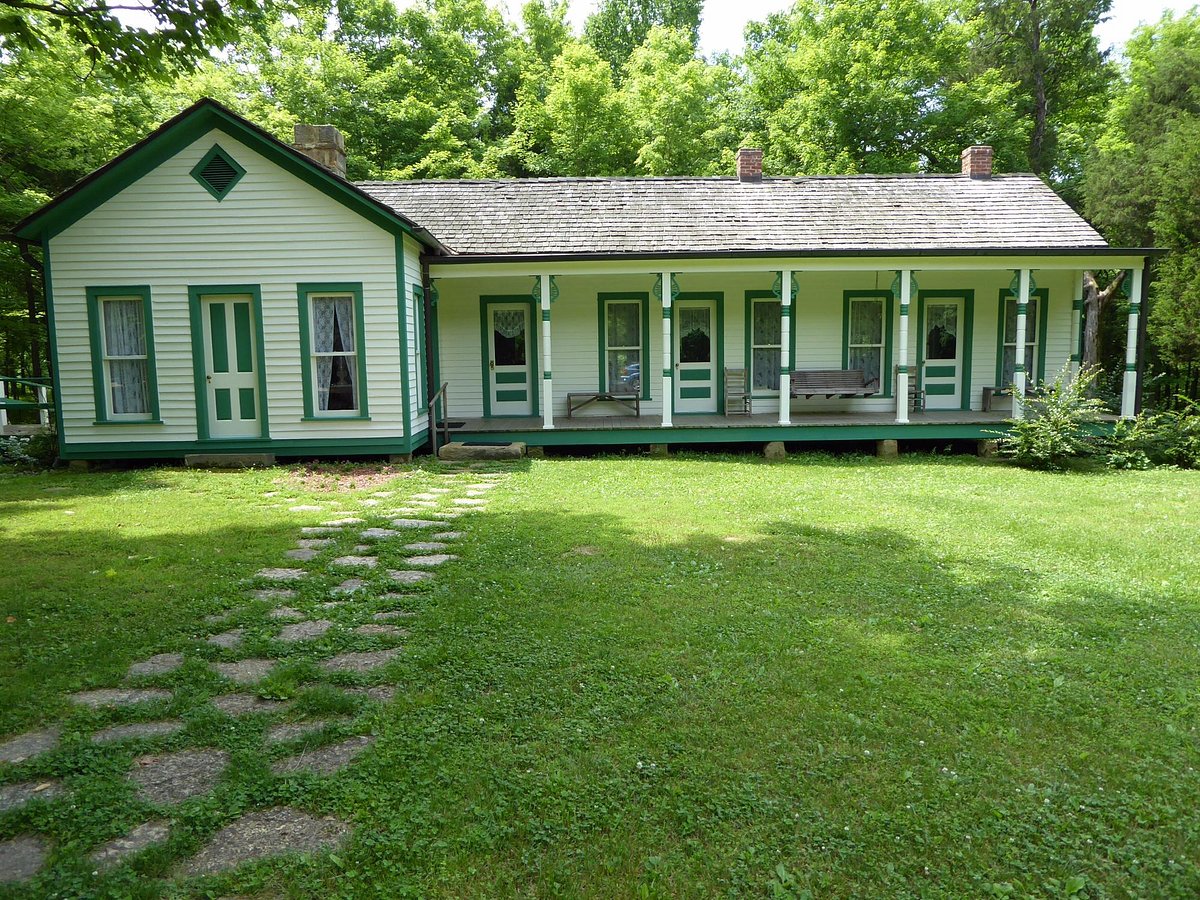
x=618 y=27
x=586 y=118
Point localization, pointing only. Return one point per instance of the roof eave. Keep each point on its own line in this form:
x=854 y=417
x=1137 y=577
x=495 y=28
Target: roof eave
x=822 y=253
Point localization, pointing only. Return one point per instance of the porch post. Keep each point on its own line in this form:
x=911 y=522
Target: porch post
x=1129 y=386
x=668 y=395
x=902 y=350
x=1019 y=356
x=547 y=381
x=1076 y=328
x=785 y=343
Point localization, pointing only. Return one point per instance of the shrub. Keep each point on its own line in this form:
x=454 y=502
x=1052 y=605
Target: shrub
x=14 y=451
x=34 y=451
x=1058 y=426
x=1169 y=438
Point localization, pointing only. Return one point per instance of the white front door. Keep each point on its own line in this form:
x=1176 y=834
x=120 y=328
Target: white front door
x=510 y=370
x=696 y=363
x=230 y=366
x=942 y=373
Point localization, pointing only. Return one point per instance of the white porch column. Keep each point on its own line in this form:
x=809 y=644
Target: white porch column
x=1129 y=386
x=1019 y=356
x=902 y=350
x=785 y=344
x=668 y=394
x=547 y=380
x=1076 y=329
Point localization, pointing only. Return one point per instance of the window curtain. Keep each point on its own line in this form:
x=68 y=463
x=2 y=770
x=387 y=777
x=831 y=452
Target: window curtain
x=509 y=323
x=125 y=336
x=766 y=336
x=333 y=332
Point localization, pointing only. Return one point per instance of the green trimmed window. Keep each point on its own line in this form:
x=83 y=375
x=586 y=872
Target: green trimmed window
x=418 y=320
x=1035 y=328
x=867 y=336
x=333 y=355
x=122 y=343
x=624 y=343
x=218 y=172
x=766 y=337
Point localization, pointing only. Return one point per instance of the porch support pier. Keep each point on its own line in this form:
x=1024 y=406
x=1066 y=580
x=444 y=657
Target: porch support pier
x=1076 y=329
x=668 y=395
x=1129 y=385
x=902 y=349
x=1019 y=360
x=785 y=343
x=547 y=380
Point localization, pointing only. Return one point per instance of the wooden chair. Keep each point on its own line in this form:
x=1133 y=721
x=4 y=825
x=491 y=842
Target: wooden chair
x=737 y=393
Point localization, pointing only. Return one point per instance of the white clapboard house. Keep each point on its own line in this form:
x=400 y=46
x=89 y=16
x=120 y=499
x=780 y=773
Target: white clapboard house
x=215 y=290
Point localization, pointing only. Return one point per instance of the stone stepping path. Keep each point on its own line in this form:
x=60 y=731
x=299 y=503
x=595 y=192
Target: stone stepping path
x=304 y=631
x=15 y=796
x=21 y=858
x=267 y=832
x=355 y=562
x=370 y=630
x=227 y=640
x=285 y=612
x=245 y=704
x=159 y=664
x=324 y=760
x=402 y=576
x=447 y=535
x=349 y=586
x=120 y=697
x=271 y=594
x=360 y=661
x=119 y=849
x=134 y=730
x=307 y=507
x=392 y=614
x=314 y=543
x=379 y=534
x=427 y=545
x=174 y=777
x=338 y=523
x=245 y=671
x=31 y=743
x=320 y=529
x=290 y=731
x=428 y=495
x=278 y=574
x=434 y=559
x=381 y=693
x=413 y=523
x=302 y=555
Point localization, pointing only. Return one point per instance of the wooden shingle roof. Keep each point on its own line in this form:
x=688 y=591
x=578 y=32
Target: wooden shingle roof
x=645 y=216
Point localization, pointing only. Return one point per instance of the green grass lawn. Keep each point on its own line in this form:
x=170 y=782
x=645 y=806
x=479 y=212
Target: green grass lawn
x=682 y=677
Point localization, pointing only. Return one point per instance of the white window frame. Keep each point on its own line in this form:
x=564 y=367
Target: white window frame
x=352 y=356
x=639 y=347
x=107 y=358
x=883 y=336
x=766 y=391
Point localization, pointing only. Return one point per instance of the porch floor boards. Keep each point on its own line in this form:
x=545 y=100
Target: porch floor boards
x=758 y=420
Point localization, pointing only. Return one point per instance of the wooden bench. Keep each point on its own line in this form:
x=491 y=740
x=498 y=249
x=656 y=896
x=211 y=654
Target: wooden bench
x=579 y=399
x=808 y=383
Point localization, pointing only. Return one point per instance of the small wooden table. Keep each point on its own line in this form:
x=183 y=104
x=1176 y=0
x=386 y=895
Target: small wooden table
x=578 y=400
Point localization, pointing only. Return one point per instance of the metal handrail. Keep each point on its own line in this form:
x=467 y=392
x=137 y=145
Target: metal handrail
x=433 y=424
x=41 y=404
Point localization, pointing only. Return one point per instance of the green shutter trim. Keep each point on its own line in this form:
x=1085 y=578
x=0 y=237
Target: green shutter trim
x=1043 y=299
x=510 y=378
x=968 y=298
x=510 y=396
x=233 y=174
x=303 y=292
x=943 y=390
x=246 y=404
x=195 y=294
x=531 y=356
x=718 y=297
x=695 y=393
x=695 y=375
x=643 y=298
x=48 y=292
x=95 y=324
x=241 y=336
x=224 y=405
x=220 y=340
x=940 y=371
x=888 y=302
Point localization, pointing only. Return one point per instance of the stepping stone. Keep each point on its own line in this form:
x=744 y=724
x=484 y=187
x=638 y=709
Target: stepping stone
x=270 y=594
x=439 y=490
x=406 y=511
x=159 y=664
x=174 y=777
x=331 y=604
x=245 y=671
x=319 y=529
x=137 y=730
x=383 y=693
x=448 y=535
x=303 y=555
x=378 y=534
x=392 y=615
x=304 y=631
x=453 y=514
x=426 y=504
x=384 y=494
x=314 y=543
x=361 y=548
x=425 y=496
x=338 y=523
x=483 y=486
x=227 y=640
x=118 y=849
x=14 y=796
x=120 y=696
x=468 y=501
x=367 y=562
x=349 y=586
x=306 y=507
x=290 y=731
x=215 y=618
x=426 y=545
x=368 y=502
x=361 y=661
x=434 y=559
x=244 y=704
x=402 y=576
x=267 y=832
x=412 y=523
x=21 y=858
x=277 y=574
x=285 y=612
x=381 y=631
x=23 y=746
x=324 y=760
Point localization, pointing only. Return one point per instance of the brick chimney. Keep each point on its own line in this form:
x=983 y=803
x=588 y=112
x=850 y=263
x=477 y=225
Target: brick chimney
x=749 y=164
x=977 y=161
x=323 y=144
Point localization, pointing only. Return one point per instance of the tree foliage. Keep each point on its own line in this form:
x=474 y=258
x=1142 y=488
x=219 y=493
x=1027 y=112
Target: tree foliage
x=618 y=27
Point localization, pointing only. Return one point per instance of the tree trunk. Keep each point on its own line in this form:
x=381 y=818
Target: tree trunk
x=32 y=308
x=1094 y=303
x=1037 y=141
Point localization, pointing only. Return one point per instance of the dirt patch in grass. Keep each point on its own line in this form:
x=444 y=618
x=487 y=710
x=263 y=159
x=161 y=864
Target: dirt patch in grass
x=339 y=478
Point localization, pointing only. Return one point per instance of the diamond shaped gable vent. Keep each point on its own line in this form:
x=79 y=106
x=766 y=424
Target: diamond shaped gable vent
x=218 y=172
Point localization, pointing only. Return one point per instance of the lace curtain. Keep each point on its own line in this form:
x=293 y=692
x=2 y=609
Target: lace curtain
x=333 y=333
x=509 y=323
x=125 y=351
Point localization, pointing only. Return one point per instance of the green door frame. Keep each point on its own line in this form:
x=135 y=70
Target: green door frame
x=718 y=326
x=195 y=294
x=968 y=298
x=535 y=322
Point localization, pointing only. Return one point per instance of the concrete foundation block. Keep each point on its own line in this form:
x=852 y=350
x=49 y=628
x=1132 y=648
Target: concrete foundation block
x=887 y=449
x=987 y=449
x=398 y=458
x=659 y=450
x=775 y=450
x=535 y=452
x=460 y=450
x=228 y=460
x=79 y=465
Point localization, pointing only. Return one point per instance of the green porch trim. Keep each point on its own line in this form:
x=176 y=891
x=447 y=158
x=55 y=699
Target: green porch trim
x=531 y=352
x=95 y=339
x=602 y=300
x=1130 y=367
x=48 y=293
x=1042 y=326
x=511 y=378
x=939 y=371
x=718 y=297
x=435 y=342
x=968 y=298
x=180 y=132
x=546 y=375
x=350 y=446
x=418 y=311
x=304 y=291
x=545 y=315
x=748 y=335
x=195 y=294
x=667 y=373
x=214 y=152
x=888 y=304
x=402 y=328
